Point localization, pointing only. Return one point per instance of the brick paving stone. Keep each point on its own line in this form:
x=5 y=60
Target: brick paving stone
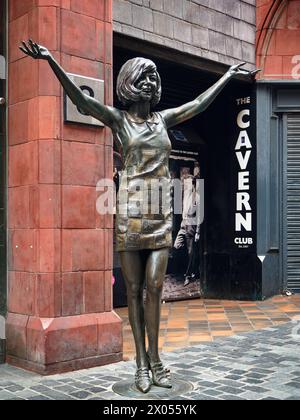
x=6 y=384
x=230 y=390
x=81 y=385
x=26 y=395
x=229 y=397
x=187 y=372
x=259 y=371
x=238 y=372
x=294 y=384
x=51 y=383
x=96 y=389
x=252 y=381
x=55 y=395
x=256 y=389
x=251 y=396
x=14 y=388
x=212 y=392
x=98 y=382
x=230 y=383
x=5 y=395
x=66 y=381
x=296 y=373
x=255 y=375
x=234 y=377
x=220 y=368
x=40 y=389
x=181 y=366
x=207 y=384
x=65 y=389
x=88 y=378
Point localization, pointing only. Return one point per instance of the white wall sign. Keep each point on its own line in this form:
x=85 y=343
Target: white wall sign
x=91 y=87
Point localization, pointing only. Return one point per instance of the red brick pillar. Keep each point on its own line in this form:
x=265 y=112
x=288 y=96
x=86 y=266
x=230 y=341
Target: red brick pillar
x=60 y=250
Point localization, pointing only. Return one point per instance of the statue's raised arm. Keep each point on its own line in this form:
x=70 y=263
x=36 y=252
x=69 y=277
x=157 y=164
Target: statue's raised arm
x=191 y=109
x=107 y=115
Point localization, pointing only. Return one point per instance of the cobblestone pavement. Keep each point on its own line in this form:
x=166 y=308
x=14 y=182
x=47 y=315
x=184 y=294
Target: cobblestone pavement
x=262 y=365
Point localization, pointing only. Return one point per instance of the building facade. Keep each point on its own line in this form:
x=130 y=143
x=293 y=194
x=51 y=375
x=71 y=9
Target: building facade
x=222 y=31
x=57 y=262
x=278 y=131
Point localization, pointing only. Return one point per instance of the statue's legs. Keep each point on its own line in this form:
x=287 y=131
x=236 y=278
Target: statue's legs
x=134 y=273
x=138 y=267
x=156 y=268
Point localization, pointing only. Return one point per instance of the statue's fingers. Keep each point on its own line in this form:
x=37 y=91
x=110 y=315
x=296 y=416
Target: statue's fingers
x=37 y=47
x=32 y=44
x=244 y=71
x=239 y=66
x=26 y=47
x=255 y=72
x=27 y=50
x=23 y=50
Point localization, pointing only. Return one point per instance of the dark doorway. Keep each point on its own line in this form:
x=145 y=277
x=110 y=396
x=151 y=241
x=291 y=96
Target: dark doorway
x=225 y=271
x=2 y=176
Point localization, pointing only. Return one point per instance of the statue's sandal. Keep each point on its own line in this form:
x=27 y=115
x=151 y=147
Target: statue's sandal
x=143 y=381
x=160 y=375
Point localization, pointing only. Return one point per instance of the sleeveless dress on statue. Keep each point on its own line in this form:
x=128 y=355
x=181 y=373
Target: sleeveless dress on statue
x=144 y=213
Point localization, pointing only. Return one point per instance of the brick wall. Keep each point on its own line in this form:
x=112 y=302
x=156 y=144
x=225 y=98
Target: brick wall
x=219 y=30
x=278 y=39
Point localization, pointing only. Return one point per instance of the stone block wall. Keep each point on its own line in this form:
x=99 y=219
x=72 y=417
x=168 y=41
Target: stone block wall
x=219 y=30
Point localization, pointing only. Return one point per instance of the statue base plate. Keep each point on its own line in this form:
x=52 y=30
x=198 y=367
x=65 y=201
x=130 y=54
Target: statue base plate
x=128 y=389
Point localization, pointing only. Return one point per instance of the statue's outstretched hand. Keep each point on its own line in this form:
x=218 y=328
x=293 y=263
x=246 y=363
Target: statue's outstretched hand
x=238 y=70
x=35 y=51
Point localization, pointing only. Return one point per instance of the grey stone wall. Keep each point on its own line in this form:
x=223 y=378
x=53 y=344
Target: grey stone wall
x=219 y=30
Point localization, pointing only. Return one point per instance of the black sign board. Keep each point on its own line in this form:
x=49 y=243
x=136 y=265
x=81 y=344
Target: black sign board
x=243 y=173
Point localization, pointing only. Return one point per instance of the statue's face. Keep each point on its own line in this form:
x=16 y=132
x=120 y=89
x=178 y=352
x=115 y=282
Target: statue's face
x=147 y=85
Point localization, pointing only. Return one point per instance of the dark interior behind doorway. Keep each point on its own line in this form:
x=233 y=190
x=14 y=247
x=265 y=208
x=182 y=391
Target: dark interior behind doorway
x=224 y=271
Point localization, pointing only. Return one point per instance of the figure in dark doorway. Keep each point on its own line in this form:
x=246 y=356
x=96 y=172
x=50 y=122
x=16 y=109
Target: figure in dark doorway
x=189 y=232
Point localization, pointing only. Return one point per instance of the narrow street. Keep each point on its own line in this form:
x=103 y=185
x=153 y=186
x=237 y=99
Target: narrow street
x=259 y=365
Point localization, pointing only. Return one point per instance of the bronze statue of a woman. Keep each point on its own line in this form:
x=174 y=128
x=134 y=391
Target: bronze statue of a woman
x=143 y=239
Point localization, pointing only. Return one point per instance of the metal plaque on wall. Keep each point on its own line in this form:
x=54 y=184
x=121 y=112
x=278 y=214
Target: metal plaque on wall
x=91 y=87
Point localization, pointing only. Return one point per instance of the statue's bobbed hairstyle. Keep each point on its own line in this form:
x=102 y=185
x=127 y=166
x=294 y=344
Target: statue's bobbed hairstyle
x=129 y=74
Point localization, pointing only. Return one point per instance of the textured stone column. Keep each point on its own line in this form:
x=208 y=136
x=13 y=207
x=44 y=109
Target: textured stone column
x=60 y=250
